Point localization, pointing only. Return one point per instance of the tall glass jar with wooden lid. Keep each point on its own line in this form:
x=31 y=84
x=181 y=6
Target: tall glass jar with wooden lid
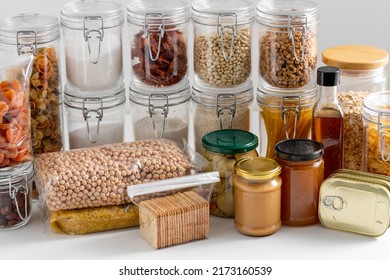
x=362 y=71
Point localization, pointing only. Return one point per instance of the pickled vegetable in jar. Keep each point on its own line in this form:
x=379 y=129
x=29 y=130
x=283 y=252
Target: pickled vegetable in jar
x=223 y=148
x=302 y=175
x=376 y=133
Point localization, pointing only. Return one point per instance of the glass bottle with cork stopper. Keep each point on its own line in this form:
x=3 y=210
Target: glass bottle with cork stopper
x=328 y=119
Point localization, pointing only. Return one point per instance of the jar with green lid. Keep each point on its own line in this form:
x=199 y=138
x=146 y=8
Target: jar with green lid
x=302 y=175
x=257 y=196
x=222 y=41
x=218 y=108
x=285 y=114
x=223 y=148
x=376 y=133
x=362 y=72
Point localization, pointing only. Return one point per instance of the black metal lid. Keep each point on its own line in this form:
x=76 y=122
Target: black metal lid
x=299 y=150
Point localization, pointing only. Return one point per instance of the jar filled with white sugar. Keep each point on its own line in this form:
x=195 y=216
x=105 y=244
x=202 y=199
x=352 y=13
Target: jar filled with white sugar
x=222 y=41
x=95 y=120
x=160 y=112
x=159 y=41
x=92 y=32
x=219 y=108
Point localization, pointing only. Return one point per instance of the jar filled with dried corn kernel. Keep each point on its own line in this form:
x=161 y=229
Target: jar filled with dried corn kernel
x=287 y=39
x=223 y=148
x=362 y=71
x=222 y=42
x=376 y=133
x=284 y=114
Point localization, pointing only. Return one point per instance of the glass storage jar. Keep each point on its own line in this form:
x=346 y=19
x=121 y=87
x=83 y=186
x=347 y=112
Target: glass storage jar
x=285 y=115
x=287 y=33
x=219 y=108
x=223 y=148
x=222 y=41
x=17 y=48
x=16 y=196
x=92 y=33
x=160 y=113
x=376 y=133
x=302 y=175
x=95 y=120
x=40 y=35
x=257 y=195
x=159 y=41
x=362 y=71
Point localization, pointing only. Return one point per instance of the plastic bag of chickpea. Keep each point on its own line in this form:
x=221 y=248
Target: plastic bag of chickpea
x=98 y=176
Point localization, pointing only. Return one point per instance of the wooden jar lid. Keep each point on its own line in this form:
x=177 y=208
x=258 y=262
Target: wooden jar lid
x=355 y=57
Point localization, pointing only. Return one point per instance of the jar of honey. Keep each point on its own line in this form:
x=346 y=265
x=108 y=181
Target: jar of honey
x=302 y=175
x=257 y=192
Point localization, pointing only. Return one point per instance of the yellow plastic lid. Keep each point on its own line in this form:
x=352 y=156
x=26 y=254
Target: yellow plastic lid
x=355 y=57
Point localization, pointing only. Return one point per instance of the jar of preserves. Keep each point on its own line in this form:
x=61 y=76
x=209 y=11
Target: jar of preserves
x=285 y=115
x=18 y=45
x=95 y=120
x=257 y=196
x=362 y=71
x=223 y=148
x=287 y=32
x=160 y=113
x=302 y=175
x=92 y=33
x=222 y=41
x=216 y=108
x=376 y=133
x=158 y=39
x=16 y=196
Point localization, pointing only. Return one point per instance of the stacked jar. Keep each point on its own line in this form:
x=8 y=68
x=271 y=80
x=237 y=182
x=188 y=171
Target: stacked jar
x=159 y=86
x=222 y=90
x=362 y=72
x=287 y=93
x=94 y=95
x=30 y=102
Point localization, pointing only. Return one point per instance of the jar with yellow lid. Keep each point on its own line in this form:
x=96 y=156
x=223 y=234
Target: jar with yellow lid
x=257 y=196
x=362 y=71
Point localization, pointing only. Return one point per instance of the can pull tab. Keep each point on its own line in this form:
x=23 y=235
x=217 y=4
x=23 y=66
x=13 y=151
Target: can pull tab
x=385 y=153
x=228 y=109
x=93 y=35
x=154 y=22
x=220 y=29
x=13 y=195
x=291 y=34
x=30 y=44
x=158 y=111
x=88 y=113
x=334 y=203
x=291 y=107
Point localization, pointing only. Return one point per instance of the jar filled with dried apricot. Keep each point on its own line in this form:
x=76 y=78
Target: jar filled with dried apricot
x=287 y=42
x=223 y=148
x=376 y=133
x=158 y=41
x=302 y=175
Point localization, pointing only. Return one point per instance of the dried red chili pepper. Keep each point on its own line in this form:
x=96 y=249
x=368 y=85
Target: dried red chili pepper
x=171 y=65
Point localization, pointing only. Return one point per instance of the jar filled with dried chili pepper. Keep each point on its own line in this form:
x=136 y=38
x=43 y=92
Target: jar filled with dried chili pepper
x=28 y=62
x=94 y=120
x=222 y=41
x=92 y=33
x=158 y=41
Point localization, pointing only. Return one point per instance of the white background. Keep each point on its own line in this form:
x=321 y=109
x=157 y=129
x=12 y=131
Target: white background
x=341 y=22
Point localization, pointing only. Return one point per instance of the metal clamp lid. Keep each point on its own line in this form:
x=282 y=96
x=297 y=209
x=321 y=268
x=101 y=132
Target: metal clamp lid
x=291 y=34
x=93 y=36
x=23 y=48
x=288 y=107
x=230 y=109
x=88 y=113
x=160 y=109
x=220 y=29
x=382 y=132
x=151 y=26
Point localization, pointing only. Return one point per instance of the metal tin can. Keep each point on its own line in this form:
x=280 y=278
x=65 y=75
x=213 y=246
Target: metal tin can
x=257 y=193
x=355 y=201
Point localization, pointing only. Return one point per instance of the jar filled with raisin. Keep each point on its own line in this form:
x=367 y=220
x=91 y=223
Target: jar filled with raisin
x=302 y=175
x=158 y=41
x=223 y=148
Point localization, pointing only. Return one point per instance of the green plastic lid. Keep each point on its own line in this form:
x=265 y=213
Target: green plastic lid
x=230 y=141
